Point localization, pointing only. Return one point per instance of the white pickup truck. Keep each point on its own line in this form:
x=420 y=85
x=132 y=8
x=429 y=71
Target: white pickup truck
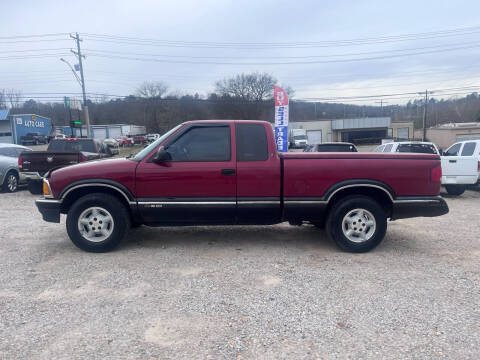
x=461 y=166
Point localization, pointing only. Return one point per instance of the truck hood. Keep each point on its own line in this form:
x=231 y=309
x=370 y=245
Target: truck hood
x=119 y=170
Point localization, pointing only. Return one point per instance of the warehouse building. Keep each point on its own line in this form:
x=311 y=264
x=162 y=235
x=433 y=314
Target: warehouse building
x=447 y=134
x=13 y=127
x=358 y=130
x=101 y=132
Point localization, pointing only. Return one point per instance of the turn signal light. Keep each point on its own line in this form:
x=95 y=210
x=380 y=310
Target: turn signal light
x=436 y=174
x=46 y=189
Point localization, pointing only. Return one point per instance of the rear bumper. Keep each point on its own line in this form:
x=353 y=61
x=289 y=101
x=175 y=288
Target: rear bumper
x=460 y=179
x=409 y=207
x=50 y=209
x=30 y=176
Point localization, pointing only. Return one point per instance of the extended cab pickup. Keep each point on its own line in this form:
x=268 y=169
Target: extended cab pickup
x=60 y=152
x=228 y=172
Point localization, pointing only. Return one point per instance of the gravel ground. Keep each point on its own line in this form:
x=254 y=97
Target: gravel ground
x=274 y=292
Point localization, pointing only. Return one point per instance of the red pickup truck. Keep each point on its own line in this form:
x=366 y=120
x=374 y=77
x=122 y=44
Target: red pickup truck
x=226 y=172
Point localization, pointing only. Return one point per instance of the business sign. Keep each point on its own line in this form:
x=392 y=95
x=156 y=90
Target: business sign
x=281 y=118
x=30 y=123
x=72 y=103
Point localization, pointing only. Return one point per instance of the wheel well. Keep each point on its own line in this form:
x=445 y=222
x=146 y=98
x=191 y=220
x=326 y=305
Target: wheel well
x=75 y=194
x=380 y=196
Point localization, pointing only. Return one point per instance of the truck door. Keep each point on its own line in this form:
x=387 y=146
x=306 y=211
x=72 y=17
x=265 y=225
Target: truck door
x=258 y=174
x=198 y=185
x=459 y=164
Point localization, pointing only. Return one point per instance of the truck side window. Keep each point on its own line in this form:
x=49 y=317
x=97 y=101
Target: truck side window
x=252 y=142
x=453 y=150
x=388 y=148
x=468 y=149
x=206 y=143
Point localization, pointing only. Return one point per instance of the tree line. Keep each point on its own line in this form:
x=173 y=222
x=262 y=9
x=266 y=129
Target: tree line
x=244 y=96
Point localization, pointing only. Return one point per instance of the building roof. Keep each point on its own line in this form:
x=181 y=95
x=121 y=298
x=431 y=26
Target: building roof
x=3 y=114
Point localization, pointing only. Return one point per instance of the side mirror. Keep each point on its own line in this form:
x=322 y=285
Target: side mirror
x=161 y=156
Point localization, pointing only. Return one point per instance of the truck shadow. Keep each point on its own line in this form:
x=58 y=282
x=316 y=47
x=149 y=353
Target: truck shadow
x=298 y=238
x=236 y=237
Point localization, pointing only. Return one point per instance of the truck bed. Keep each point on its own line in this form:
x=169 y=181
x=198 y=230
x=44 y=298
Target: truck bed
x=312 y=174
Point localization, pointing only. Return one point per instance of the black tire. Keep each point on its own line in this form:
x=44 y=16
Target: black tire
x=35 y=187
x=10 y=182
x=117 y=211
x=346 y=205
x=455 y=190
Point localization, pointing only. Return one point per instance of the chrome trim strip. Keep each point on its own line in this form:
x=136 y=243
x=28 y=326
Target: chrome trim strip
x=415 y=201
x=361 y=185
x=305 y=202
x=186 y=203
x=267 y=202
x=98 y=184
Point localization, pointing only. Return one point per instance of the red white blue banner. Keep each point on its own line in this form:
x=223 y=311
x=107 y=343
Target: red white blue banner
x=281 y=118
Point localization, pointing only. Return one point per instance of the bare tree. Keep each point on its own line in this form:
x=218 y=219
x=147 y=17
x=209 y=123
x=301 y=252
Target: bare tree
x=249 y=87
x=14 y=97
x=152 y=89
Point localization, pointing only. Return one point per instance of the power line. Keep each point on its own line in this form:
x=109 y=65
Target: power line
x=32 y=36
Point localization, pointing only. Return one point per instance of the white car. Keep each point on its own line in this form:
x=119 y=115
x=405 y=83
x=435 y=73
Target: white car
x=461 y=166
x=152 y=137
x=420 y=147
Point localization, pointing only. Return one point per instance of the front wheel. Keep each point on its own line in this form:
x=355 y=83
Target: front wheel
x=455 y=190
x=357 y=223
x=10 y=184
x=97 y=222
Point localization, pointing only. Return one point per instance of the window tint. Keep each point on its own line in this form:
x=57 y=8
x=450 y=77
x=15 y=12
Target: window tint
x=210 y=143
x=388 y=148
x=417 y=148
x=251 y=142
x=468 y=149
x=8 y=151
x=336 y=148
x=453 y=150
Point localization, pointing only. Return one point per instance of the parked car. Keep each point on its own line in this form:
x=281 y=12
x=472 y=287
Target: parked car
x=60 y=152
x=60 y=136
x=10 y=175
x=461 y=166
x=227 y=172
x=152 y=137
x=111 y=142
x=124 y=141
x=139 y=140
x=331 y=147
x=409 y=147
x=34 y=138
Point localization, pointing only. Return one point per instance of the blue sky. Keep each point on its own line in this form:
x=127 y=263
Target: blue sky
x=250 y=22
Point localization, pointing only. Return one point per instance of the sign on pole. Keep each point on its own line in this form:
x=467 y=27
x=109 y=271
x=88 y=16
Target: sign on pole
x=281 y=119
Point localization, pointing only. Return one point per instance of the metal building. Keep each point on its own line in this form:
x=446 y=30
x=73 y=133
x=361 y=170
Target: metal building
x=13 y=127
x=101 y=132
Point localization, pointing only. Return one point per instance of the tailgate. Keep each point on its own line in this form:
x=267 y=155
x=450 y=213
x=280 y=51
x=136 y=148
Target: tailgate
x=459 y=165
x=42 y=161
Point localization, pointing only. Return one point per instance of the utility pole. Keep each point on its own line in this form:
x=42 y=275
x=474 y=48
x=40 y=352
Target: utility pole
x=381 y=105
x=424 y=122
x=79 y=55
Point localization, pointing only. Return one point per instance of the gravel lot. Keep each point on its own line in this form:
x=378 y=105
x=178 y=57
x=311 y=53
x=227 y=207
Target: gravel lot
x=240 y=292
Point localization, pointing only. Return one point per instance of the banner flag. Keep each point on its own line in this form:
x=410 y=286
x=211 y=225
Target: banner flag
x=281 y=118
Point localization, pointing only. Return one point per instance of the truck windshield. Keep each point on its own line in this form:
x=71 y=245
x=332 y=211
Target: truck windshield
x=144 y=152
x=72 y=145
x=300 y=137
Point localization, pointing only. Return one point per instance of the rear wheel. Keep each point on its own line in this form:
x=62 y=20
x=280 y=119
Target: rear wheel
x=10 y=183
x=455 y=190
x=97 y=222
x=357 y=223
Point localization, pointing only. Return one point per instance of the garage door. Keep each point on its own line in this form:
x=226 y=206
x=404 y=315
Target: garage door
x=114 y=132
x=314 y=136
x=402 y=133
x=468 y=137
x=6 y=139
x=99 y=133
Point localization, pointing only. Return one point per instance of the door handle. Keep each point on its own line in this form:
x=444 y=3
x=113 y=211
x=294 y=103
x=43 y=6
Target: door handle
x=452 y=161
x=228 y=172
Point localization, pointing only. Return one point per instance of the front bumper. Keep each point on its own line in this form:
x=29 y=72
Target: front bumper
x=50 y=209
x=408 y=207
